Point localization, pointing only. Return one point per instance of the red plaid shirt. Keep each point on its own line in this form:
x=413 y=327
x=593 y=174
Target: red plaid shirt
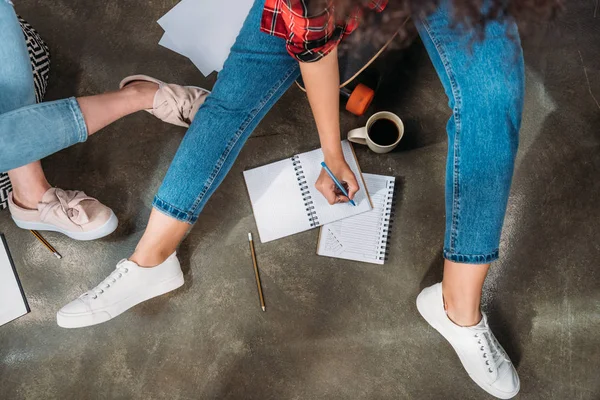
x=309 y=37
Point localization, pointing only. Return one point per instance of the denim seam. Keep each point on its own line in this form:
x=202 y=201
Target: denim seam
x=233 y=141
x=456 y=114
x=167 y=212
x=170 y=205
x=25 y=109
x=472 y=258
x=82 y=133
x=170 y=210
x=78 y=116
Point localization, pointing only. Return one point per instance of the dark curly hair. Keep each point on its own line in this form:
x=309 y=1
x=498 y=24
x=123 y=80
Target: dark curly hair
x=470 y=14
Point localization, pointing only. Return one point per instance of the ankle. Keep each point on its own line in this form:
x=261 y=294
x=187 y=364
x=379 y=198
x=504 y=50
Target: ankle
x=29 y=197
x=462 y=301
x=142 y=93
x=149 y=258
x=461 y=310
x=464 y=317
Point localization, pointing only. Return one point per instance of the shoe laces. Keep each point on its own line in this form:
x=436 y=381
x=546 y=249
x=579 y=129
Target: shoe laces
x=121 y=270
x=489 y=348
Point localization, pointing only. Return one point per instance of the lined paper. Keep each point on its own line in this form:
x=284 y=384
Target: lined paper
x=362 y=237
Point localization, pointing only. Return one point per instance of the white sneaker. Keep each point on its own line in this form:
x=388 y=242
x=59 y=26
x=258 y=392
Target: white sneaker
x=128 y=285
x=481 y=355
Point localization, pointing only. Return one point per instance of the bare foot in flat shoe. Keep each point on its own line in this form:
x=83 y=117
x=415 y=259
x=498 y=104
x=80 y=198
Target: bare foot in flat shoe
x=145 y=90
x=172 y=103
x=69 y=212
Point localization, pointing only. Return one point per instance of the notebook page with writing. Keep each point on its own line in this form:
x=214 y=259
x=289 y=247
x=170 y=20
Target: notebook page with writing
x=362 y=237
x=285 y=201
x=326 y=213
x=12 y=300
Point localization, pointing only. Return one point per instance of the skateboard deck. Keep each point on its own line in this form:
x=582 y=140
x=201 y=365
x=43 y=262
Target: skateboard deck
x=353 y=62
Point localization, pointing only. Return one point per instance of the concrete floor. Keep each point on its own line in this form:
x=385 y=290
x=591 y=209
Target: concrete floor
x=334 y=329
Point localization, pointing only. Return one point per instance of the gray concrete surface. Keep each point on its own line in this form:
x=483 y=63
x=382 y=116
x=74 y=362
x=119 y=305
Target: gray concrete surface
x=334 y=329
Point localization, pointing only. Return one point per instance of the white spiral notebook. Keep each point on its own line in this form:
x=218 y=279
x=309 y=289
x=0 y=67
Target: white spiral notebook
x=363 y=237
x=13 y=303
x=285 y=201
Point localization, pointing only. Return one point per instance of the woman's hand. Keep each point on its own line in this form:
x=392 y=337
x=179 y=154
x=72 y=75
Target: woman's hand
x=322 y=83
x=344 y=174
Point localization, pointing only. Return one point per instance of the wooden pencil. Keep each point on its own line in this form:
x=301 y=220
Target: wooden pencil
x=45 y=243
x=258 y=284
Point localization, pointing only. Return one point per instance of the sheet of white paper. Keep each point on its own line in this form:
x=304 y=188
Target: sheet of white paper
x=204 y=30
x=12 y=304
x=202 y=63
x=166 y=41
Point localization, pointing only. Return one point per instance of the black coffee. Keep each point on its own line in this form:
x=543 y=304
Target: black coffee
x=384 y=132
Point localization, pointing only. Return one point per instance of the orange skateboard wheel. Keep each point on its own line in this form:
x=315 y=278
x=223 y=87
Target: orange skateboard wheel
x=360 y=99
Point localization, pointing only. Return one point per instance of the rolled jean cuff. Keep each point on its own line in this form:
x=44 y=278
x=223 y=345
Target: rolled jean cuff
x=173 y=212
x=79 y=120
x=33 y=132
x=471 y=258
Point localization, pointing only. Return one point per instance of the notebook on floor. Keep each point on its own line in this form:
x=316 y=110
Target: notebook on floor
x=285 y=201
x=363 y=237
x=13 y=303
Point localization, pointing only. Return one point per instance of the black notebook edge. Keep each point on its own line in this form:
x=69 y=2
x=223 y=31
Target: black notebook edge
x=389 y=220
x=12 y=264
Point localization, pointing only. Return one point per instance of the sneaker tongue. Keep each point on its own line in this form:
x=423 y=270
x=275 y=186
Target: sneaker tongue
x=480 y=324
x=127 y=263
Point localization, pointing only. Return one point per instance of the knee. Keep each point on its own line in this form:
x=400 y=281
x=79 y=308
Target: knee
x=499 y=94
x=490 y=119
x=22 y=92
x=18 y=90
x=228 y=104
x=16 y=80
x=494 y=106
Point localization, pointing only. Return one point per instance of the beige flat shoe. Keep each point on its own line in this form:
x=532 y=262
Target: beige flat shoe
x=69 y=212
x=174 y=104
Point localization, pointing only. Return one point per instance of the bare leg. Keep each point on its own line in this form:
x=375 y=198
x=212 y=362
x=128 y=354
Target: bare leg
x=461 y=288
x=162 y=236
x=29 y=182
x=29 y=185
x=104 y=109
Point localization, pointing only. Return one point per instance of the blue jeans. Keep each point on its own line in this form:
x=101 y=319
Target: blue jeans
x=483 y=80
x=29 y=131
x=485 y=86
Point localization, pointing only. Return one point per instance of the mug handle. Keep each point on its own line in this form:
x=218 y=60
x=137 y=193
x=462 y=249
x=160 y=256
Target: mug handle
x=358 y=135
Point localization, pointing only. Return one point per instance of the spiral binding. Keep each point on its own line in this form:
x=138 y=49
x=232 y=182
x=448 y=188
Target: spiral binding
x=388 y=220
x=306 y=196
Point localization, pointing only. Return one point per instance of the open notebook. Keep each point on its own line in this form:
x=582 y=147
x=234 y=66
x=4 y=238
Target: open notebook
x=284 y=198
x=12 y=299
x=362 y=237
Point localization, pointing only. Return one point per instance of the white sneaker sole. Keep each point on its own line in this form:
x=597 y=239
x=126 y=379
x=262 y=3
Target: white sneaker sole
x=100 y=316
x=424 y=311
x=109 y=227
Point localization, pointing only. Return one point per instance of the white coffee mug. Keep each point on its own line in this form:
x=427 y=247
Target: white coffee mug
x=361 y=135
